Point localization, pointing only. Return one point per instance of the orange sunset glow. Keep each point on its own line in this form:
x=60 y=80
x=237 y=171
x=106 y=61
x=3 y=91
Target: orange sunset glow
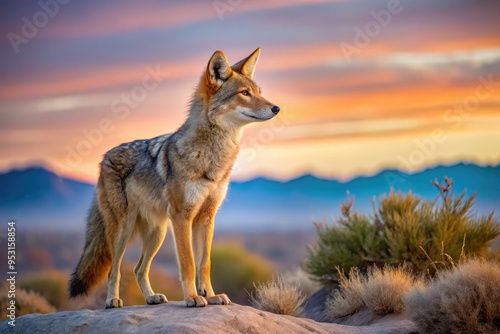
x=362 y=85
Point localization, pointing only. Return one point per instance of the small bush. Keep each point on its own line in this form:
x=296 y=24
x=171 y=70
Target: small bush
x=352 y=242
x=349 y=298
x=278 y=297
x=381 y=292
x=465 y=300
x=404 y=228
x=384 y=289
x=26 y=302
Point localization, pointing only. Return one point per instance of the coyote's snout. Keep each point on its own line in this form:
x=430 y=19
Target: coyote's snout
x=180 y=178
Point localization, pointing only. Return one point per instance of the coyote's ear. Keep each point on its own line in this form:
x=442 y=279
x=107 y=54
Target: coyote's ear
x=218 y=69
x=247 y=66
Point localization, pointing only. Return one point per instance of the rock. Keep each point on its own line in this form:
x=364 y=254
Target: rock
x=174 y=317
x=314 y=306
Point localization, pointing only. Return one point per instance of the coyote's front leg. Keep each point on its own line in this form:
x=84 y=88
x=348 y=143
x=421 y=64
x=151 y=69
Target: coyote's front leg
x=203 y=231
x=182 y=235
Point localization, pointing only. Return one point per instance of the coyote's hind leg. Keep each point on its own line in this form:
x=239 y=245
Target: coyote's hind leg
x=122 y=238
x=152 y=239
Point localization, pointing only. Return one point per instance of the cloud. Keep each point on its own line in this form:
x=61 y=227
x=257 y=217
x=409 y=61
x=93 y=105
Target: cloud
x=60 y=103
x=425 y=60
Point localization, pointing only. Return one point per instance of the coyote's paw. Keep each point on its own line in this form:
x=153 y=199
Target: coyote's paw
x=114 y=303
x=197 y=301
x=157 y=298
x=221 y=299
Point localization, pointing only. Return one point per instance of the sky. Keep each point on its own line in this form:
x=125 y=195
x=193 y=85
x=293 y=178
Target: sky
x=363 y=85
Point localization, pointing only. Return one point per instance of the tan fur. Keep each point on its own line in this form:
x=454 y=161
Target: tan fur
x=180 y=178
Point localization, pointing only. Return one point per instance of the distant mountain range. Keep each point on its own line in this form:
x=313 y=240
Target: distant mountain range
x=39 y=199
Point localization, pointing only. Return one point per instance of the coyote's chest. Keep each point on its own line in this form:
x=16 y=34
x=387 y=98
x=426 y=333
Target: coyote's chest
x=205 y=162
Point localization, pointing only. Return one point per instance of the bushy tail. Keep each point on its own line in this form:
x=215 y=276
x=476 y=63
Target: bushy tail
x=95 y=262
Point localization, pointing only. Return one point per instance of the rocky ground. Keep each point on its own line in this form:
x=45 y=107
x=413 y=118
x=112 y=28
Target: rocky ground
x=174 y=317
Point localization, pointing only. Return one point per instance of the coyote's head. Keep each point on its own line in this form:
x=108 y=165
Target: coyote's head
x=230 y=95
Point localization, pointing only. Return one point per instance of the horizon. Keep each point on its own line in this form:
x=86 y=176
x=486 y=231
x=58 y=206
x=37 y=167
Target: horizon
x=283 y=206
x=46 y=167
x=362 y=87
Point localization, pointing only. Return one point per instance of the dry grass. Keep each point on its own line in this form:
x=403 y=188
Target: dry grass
x=349 y=298
x=385 y=288
x=26 y=302
x=278 y=296
x=464 y=300
x=381 y=292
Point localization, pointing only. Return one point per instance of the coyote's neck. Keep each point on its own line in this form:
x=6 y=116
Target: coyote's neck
x=209 y=149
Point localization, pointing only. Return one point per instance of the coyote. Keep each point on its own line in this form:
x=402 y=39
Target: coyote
x=180 y=178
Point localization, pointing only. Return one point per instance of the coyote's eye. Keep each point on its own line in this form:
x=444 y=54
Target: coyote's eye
x=245 y=92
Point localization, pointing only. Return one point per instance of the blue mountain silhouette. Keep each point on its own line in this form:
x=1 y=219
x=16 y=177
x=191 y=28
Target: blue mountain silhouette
x=39 y=199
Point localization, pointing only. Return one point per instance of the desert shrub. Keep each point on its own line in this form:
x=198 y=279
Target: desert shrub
x=278 y=296
x=234 y=271
x=463 y=300
x=52 y=285
x=380 y=291
x=384 y=289
x=353 y=241
x=404 y=228
x=26 y=302
x=348 y=299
